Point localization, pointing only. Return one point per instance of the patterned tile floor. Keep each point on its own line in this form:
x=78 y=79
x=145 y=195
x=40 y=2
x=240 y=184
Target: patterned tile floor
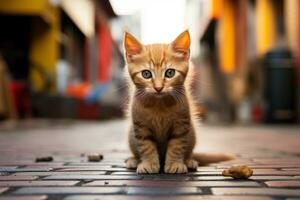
x=272 y=151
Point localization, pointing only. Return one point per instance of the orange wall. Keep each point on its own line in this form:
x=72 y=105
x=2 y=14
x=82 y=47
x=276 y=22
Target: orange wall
x=215 y=8
x=227 y=37
x=265 y=26
x=291 y=23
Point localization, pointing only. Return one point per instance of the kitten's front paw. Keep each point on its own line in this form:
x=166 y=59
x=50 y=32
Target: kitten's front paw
x=149 y=167
x=191 y=164
x=175 y=167
x=131 y=163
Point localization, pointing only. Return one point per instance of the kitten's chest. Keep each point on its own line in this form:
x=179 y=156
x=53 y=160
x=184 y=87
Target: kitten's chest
x=160 y=124
x=159 y=120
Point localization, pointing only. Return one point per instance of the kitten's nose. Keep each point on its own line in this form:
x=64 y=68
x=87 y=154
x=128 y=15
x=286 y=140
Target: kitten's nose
x=158 y=89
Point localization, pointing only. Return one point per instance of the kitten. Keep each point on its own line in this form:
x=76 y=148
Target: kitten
x=162 y=133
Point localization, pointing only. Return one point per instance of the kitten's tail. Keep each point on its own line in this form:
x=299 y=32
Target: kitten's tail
x=207 y=158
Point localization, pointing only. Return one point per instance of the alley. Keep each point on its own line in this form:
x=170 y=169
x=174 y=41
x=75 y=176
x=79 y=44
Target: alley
x=272 y=152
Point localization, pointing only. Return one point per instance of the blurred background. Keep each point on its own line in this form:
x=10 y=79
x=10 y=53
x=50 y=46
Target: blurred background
x=63 y=59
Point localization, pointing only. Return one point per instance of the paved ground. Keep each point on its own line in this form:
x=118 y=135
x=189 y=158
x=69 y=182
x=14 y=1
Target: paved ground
x=272 y=151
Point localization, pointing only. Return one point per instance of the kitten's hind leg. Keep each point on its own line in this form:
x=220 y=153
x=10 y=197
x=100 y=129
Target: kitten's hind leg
x=132 y=163
x=191 y=164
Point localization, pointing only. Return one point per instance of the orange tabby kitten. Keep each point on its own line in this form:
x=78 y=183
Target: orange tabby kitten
x=162 y=133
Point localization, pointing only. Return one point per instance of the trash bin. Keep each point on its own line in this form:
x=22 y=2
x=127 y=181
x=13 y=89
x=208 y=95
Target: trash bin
x=279 y=86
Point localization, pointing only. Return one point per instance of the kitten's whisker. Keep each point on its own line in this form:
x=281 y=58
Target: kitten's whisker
x=178 y=94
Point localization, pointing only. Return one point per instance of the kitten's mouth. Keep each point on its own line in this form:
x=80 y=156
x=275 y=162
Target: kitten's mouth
x=160 y=94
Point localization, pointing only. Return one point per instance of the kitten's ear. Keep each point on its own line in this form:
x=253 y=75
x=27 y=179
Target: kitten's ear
x=132 y=45
x=182 y=43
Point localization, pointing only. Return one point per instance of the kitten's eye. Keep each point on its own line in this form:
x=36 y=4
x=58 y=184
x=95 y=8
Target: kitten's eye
x=170 y=73
x=146 y=74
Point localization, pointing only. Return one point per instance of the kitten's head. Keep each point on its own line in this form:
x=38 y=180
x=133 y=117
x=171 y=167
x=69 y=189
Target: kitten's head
x=158 y=69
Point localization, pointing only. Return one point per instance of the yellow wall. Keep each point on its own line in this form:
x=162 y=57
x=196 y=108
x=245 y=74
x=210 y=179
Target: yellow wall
x=226 y=37
x=19 y=7
x=265 y=25
x=44 y=49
